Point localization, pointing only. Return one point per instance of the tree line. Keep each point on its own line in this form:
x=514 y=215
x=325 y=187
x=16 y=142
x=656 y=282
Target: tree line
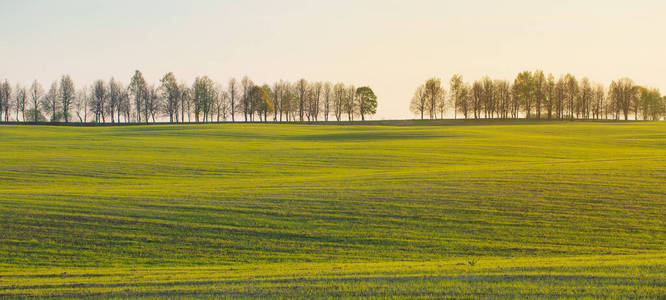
x=534 y=95
x=204 y=101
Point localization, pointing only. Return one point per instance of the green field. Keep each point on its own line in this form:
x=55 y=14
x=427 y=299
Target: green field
x=463 y=209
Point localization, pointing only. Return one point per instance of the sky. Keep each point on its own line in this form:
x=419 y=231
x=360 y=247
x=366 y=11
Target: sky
x=391 y=46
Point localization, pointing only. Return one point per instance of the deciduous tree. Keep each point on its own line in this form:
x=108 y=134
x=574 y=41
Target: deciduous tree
x=419 y=101
x=137 y=89
x=455 y=86
x=100 y=94
x=503 y=94
x=367 y=101
x=350 y=105
x=302 y=87
x=36 y=92
x=585 y=98
x=477 y=98
x=5 y=99
x=523 y=87
x=67 y=94
x=81 y=105
x=246 y=84
x=204 y=96
x=539 y=91
x=20 y=96
x=232 y=89
x=51 y=102
x=549 y=92
x=571 y=90
x=327 y=100
x=115 y=94
x=339 y=96
x=170 y=94
x=434 y=93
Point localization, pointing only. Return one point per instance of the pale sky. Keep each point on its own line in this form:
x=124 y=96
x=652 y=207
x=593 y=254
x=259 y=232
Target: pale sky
x=391 y=46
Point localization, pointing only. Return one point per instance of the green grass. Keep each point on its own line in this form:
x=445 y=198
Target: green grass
x=563 y=209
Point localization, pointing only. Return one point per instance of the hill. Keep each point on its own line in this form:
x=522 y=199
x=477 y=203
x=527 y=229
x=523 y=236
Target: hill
x=256 y=210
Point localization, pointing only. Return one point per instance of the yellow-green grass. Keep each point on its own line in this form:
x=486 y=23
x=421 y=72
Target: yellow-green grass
x=491 y=277
x=564 y=209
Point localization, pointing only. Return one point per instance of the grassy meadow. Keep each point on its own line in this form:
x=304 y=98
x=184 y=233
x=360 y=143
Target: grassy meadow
x=504 y=209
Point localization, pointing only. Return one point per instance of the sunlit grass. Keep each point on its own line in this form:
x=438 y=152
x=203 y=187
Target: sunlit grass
x=550 y=198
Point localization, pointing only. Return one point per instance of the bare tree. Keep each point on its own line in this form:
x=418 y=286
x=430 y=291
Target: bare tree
x=585 y=97
x=5 y=99
x=67 y=94
x=137 y=89
x=503 y=94
x=539 y=91
x=338 y=100
x=171 y=94
x=327 y=100
x=550 y=95
x=599 y=101
x=560 y=97
x=51 y=102
x=81 y=105
x=36 y=92
x=477 y=98
x=154 y=102
x=100 y=94
x=456 y=85
x=313 y=101
x=571 y=88
x=125 y=105
x=19 y=100
x=302 y=87
x=488 y=97
x=223 y=105
x=278 y=99
x=289 y=100
x=115 y=94
x=465 y=99
x=185 y=101
x=275 y=100
x=246 y=84
x=233 y=93
x=350 y=103
x=307 y=98
x=147 y=101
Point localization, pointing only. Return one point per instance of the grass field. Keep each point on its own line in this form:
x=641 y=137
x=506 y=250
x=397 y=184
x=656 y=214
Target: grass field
x=464 y=209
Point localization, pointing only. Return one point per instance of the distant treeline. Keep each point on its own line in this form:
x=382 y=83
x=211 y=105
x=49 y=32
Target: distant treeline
x=535 y=95
x=204 y=101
